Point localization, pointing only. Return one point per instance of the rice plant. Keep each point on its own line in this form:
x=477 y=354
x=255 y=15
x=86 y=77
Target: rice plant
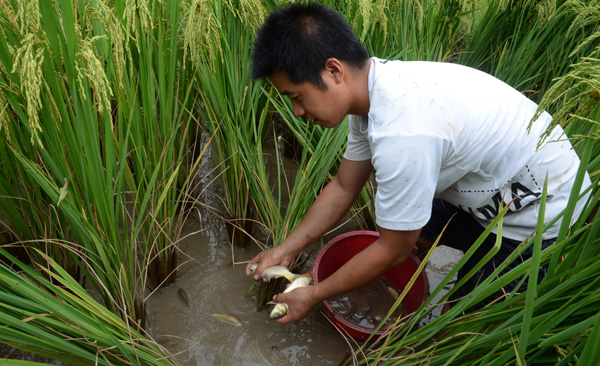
x=27 y=213
x=64 y=155
x=64 y=322
x=157 y=117
x=234 y=109
x=95 y=108
x=528 y=43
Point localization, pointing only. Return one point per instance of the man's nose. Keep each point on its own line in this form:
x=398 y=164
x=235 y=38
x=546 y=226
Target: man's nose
x=298 y=110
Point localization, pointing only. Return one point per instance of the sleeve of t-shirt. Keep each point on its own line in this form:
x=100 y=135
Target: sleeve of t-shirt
x=357 y=148
x=407 y=168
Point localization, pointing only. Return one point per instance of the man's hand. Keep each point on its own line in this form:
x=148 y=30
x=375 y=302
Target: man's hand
x=280 y=255
x=300 y=302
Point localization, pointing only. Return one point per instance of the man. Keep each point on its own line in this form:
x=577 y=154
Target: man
x=442 y=140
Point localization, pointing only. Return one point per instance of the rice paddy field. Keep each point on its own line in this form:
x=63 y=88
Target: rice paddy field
x=110 y=108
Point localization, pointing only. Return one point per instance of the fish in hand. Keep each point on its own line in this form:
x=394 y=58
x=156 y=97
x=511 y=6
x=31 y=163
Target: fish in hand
x=276 y=272
x=281 y=309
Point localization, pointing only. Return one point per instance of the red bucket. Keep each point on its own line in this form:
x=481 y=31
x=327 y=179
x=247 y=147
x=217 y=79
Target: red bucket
x=345 y=246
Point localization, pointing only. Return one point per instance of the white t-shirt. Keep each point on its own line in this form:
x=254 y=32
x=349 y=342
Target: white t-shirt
x=449 y=131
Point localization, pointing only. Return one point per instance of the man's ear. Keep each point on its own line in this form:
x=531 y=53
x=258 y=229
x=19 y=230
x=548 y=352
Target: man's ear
x=335 y=69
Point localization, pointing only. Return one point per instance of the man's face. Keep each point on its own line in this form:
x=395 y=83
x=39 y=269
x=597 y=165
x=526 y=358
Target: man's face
x=323 y=107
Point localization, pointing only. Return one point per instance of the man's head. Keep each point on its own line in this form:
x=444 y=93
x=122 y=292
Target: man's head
x=299 y=39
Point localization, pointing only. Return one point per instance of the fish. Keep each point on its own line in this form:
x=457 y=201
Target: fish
x=275 y=272
x=227 y=319
x=281 y=309
x=301 y=281
x=393 y=291
x=183 y=296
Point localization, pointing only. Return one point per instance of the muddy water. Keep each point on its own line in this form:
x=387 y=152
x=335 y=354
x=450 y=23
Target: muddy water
x=180 y=316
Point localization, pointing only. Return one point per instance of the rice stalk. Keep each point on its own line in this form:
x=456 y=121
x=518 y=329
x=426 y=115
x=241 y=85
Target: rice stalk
x=235 y=112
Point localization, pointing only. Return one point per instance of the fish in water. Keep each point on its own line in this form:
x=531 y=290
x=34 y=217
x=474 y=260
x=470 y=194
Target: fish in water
x=228 y=319
x=281 y=309
x=183 y=296
x=275 y=272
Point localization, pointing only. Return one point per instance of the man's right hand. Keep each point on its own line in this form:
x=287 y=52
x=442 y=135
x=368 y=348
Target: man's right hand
x=279 y=255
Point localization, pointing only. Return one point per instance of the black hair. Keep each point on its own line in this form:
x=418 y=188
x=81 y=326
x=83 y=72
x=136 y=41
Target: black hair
x=299 y=38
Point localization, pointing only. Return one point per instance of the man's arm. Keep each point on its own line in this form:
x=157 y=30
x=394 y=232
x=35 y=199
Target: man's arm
x=391 y=249
x=326 y=211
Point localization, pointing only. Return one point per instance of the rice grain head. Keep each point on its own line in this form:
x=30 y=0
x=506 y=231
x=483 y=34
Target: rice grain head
x=107 y=17
x=587 y=14
x=371 y=13
x=363 y=12
x=29 y=14
x=251 y=12
x=9 y=15
x=117 y=45
x=137 y=10
x=420 y=14
x=380 y=17
x=28 y=65
x=546 y=9
x=90 y=68
x=577 y=92
x=201 y=32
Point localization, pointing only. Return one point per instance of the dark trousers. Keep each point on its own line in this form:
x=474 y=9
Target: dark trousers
x=460 y=234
